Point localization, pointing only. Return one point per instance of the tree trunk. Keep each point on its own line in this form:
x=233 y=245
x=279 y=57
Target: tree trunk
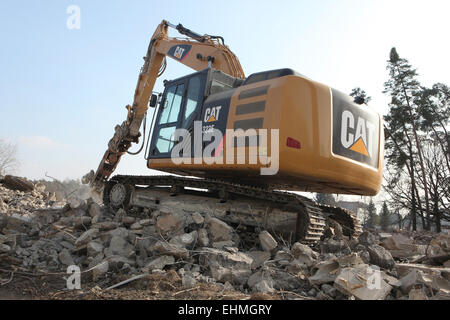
x=413 y=198
x=419 y=205
x=436 y=211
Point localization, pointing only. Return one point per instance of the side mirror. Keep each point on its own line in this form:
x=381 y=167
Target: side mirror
x=153 y=101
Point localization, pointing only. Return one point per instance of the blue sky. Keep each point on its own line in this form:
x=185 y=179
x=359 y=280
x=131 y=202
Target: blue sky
x=63 y=91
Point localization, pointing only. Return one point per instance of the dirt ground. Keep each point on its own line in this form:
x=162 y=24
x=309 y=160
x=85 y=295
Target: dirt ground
x=29 y=285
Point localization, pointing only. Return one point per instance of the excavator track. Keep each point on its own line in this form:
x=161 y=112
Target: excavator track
x=308 y=218
x=346 y=218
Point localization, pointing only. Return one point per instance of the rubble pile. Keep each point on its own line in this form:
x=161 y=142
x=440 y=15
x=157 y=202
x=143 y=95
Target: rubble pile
x=112 y=246
x=22 y=203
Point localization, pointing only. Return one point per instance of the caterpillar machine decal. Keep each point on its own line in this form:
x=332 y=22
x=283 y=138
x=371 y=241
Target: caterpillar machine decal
x=232 y=143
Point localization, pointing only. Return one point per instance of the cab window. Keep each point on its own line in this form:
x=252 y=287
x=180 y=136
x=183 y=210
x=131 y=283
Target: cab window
x=192 y=100
x=172 y=104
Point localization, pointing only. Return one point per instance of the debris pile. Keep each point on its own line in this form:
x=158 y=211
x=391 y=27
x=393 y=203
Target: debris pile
x=114 y=249
x=22 y=203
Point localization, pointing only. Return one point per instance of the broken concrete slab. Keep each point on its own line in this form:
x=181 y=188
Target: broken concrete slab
x=94 y=248
x=259 y=258
x=160 y=263
x=284 y=281
x=128 y=221
x=350 y=260
x=225 y=266
x=367 y=238
x=264 y=286
x=223 y=244
x=261 y=281
x=402 y=247
x=4 y=248
x=146 y=222
x=442 y=241
x=219 y=230
x=404 y=268
x=329 y=290
x=118 y=262
x=335 y=246
x=136 y=226
x=82 y=222
x=326 y=272
x=384 y=235
x=106 y=225
x=437 y=282
x=267 y=242
x=76 y=203
x=394 y=282
x=3 y=219
x=188 y=281
x=119 y=246
x=440 y=259
x=93 y=261
x=409 y=281
x=283 y=257
x=298 y=250
x=303 y=256
x=119 y=232
x=395 y=242
x=65 y=258
x=166 y=248
x=94 y=210
x=168 y=222
x=257 y=277
x=232 y=275
x=197 y=218
x=86 y=237
x=363 y=282
x=380 y=256
x=186 y=240
x=203 y=238
x=100 y=270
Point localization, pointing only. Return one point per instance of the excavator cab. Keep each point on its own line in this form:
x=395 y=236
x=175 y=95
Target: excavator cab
x=182 y=104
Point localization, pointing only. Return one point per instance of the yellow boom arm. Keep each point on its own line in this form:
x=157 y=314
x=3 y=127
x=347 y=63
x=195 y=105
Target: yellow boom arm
x=197 y=52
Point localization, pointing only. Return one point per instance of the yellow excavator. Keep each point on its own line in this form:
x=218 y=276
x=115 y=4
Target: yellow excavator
x=239 y=147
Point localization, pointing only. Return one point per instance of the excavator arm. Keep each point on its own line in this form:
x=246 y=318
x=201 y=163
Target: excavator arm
x=197 y=52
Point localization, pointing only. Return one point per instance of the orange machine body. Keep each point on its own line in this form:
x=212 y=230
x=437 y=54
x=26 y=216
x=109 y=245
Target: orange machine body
x=325 y=142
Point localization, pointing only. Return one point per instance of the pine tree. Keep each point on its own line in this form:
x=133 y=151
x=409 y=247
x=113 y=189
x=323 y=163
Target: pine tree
x=360 y=96
x=385 y=217
x=372 y=217
x=402 y=124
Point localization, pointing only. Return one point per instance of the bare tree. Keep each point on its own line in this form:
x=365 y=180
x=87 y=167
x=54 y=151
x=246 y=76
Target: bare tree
x=8 y=157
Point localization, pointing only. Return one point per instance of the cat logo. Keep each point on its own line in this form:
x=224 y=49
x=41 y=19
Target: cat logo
x=178 y=52
x=357 y=138
x=356 y=130
x=212 y=114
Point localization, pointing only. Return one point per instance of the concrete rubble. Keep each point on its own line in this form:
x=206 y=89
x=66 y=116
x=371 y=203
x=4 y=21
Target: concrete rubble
x=38 y=233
